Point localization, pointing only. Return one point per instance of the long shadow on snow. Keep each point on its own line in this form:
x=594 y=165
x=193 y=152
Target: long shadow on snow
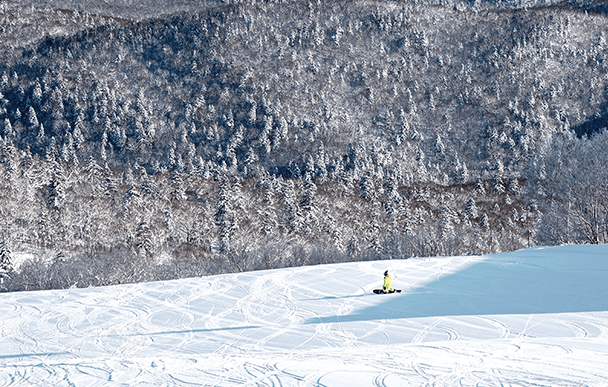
x=241 y=328
x=25 y=355
x=332 y=298
x=546 y=280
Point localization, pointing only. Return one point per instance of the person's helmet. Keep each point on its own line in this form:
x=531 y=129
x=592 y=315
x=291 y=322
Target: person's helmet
x=386 y=273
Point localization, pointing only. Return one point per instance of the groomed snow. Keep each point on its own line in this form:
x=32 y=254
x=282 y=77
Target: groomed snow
x=533 y=317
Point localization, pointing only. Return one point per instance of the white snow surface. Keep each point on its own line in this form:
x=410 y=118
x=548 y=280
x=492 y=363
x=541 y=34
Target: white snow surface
x=532 y=317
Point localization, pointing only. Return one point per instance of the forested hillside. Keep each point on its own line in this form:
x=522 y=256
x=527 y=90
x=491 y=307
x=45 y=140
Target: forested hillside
x=259 y=135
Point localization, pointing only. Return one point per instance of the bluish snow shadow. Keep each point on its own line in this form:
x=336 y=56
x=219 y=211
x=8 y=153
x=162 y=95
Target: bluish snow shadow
x=243 y=328
x=332 y=298
x=25 y=355
x=565 y=279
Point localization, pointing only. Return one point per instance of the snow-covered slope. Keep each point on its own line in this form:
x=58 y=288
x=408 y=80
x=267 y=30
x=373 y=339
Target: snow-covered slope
x=533 y=317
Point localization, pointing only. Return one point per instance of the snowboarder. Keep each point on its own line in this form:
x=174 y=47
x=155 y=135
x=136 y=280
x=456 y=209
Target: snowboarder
x=387 y=287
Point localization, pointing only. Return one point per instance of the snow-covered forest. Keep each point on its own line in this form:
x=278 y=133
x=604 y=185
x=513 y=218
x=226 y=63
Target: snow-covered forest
x=260 y=135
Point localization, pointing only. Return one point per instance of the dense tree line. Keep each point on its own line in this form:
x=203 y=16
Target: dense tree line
x=262 y=135
x=91 y=225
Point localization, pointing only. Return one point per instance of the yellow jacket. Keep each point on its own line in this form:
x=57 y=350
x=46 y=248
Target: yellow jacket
x=387 y=284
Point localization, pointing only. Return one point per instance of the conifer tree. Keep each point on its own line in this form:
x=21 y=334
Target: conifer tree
x=110 y=183
x=330 y=227
x=172 y=157
x=80 y=130
x=283 y=131
x=132 y=200
x=252 y=114
x=514 y=187
x=307 y=208
x=37 y=93
x=31 y=118
x=251 y=158
x=497 y=185
x=7 y=129
x=118 y=136
x=178 y=190
x=264 y=138
x=479 y=188
x=470 y=211
x=148 y=184
x=143 y=238
x=289 y=196
x=6 y=262
x=366 y=187
x=225 y=217
x=268 y=210
x=93 y=172
x=235 y=141
x=55 y=189
x=484 y=221
x=103 y=145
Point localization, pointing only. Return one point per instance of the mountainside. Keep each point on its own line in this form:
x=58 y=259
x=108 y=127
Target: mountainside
x=458 y=90
x=369 y=124
x=537 y=316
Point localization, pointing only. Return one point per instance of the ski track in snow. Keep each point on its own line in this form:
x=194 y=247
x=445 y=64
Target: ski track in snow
x=453 y=324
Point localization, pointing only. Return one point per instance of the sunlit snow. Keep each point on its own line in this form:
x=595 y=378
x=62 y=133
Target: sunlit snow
x=532 y=317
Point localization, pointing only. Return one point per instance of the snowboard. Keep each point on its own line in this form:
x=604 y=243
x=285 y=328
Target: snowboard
x=379 y=291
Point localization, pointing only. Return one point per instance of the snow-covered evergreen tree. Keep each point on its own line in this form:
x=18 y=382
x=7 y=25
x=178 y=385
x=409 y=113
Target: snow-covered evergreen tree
x=143 y=238
x=6 y=261
x=470 y=212
x=225 y=216
x=307 y=207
